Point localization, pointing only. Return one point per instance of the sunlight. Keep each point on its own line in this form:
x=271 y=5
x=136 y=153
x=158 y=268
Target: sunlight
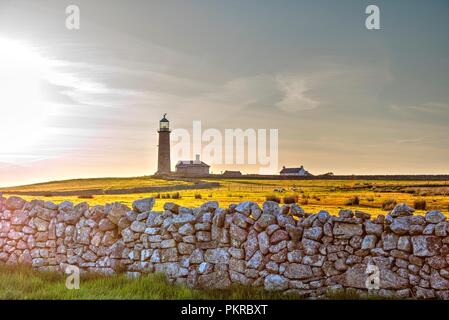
x=22 y=107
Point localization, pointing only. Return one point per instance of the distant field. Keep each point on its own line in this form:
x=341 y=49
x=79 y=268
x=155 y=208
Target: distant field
x=313 y=195
x=96 y=183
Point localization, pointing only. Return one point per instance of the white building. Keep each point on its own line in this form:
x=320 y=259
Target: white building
x=301 y=172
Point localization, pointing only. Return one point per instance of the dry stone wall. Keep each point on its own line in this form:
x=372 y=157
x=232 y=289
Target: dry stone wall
x=276 y=247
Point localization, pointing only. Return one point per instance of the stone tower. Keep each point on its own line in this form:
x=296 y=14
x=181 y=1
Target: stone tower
x=163 y=156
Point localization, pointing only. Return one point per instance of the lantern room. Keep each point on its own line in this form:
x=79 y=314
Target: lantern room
x=164 y=124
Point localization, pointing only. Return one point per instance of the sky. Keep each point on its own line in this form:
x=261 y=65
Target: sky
x=86 y=103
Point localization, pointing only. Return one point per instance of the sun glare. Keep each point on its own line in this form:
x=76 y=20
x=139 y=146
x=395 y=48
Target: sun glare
x=22 y=106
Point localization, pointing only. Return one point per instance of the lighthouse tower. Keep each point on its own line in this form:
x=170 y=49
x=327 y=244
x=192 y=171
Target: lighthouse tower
x=163 y=156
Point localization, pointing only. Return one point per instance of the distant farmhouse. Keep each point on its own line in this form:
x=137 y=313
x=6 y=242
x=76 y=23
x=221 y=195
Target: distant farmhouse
x=301 y=172
x=229 y=173
x=192 y=167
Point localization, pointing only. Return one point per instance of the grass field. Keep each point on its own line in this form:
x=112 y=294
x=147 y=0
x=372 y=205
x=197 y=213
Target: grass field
x=313 y=195
x=96 y=183
x=24 y=283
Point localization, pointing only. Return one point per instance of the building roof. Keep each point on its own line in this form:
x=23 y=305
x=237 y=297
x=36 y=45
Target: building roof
x=290 y=170
x=191 y=163
x=232 y=173
x=299 y=170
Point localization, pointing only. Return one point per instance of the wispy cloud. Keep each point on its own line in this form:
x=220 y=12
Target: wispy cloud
x=429 y=108
x=295 y=90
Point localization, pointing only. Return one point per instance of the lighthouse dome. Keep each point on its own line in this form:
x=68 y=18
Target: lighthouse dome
x=164 y=119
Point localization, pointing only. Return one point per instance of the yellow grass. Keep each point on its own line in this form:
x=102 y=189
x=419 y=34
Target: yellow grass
x=330 y=195
x=96 y=183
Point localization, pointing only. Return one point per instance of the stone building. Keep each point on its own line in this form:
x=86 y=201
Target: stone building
x=192 y=167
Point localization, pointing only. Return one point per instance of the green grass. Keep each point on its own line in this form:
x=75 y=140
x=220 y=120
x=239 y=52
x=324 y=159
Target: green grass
x=24 y=283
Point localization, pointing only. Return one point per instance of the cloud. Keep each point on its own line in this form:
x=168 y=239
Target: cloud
x=295 y=90
x=429 y=108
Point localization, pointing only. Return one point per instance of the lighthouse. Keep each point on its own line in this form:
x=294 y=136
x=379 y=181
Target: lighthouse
x=163 y=156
